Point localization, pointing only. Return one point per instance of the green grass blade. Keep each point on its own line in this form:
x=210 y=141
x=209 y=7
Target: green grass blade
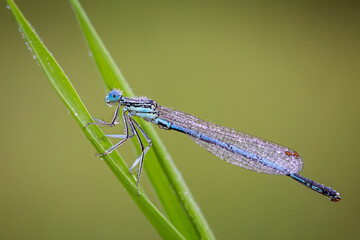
x=171 y=189
x=68 y=95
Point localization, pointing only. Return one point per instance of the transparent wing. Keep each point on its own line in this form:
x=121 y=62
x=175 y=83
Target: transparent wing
x=287 y=159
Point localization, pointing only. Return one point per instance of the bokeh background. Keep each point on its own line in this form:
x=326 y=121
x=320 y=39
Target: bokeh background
x=288 y=71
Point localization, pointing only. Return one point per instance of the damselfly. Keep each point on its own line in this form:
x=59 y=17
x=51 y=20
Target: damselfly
x=235 y=147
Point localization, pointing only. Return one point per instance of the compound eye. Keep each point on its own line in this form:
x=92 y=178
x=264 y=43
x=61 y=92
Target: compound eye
x=114 y=96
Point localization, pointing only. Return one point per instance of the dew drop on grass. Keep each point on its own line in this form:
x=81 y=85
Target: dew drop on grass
x=50 y=66
x=8 y=7
x=28 y=46
x=21 y=32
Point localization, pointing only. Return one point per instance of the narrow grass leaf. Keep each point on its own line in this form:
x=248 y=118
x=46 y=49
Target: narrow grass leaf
x=68 y=95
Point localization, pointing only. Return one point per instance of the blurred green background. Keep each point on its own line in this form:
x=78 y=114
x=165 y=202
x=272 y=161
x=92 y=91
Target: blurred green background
x=286 y=71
